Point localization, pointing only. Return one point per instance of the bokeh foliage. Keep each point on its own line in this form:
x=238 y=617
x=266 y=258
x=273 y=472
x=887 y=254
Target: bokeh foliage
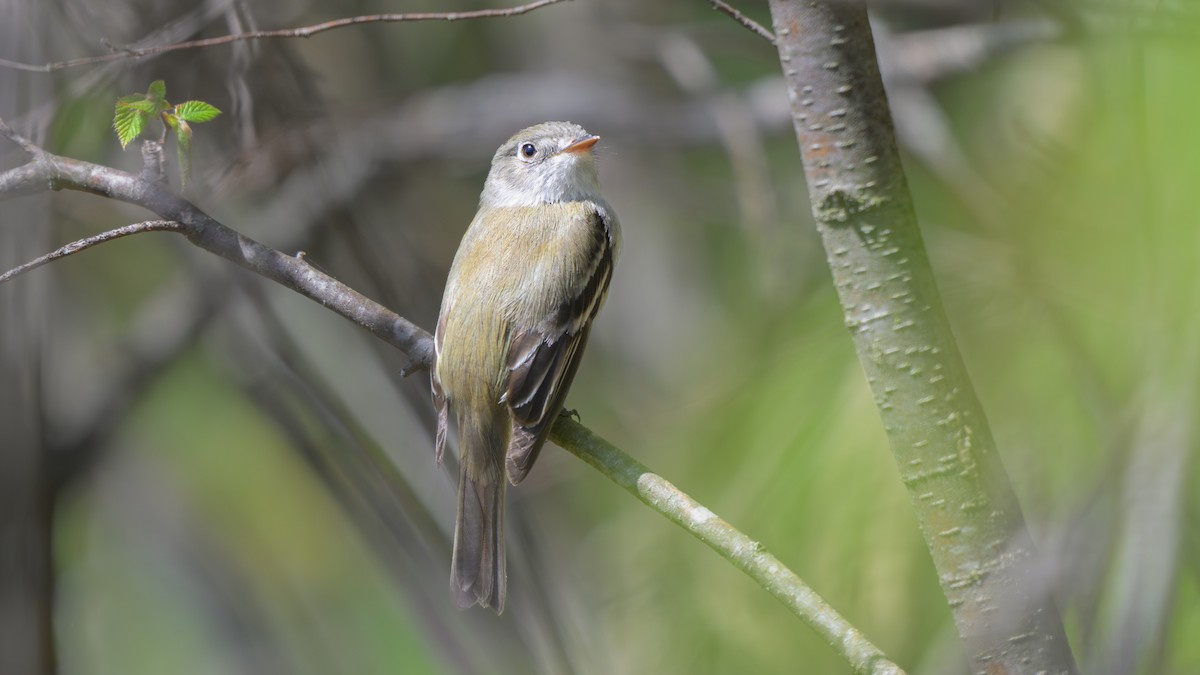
x=205 y=538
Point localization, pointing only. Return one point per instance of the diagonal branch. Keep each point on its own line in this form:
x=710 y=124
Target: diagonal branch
x=750 y=24
x=49 y=171
x=58 y=173
x=743 y=552
x=88 y=242
x=302 y=32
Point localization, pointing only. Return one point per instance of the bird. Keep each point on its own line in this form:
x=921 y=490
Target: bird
x=528 y=279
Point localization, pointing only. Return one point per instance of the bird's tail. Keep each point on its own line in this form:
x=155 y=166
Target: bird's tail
x=477 y=572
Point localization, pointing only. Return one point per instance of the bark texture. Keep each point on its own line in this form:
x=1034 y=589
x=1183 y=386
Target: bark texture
x=935 y=424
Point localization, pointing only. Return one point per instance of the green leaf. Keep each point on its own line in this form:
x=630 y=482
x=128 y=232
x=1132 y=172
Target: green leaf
x=183 y=141
x=128 y=121
x=138 y=101
x=196 y=111
x=157 y=91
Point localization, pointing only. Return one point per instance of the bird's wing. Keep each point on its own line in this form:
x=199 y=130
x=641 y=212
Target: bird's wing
x=542 y=359
x=439 y=396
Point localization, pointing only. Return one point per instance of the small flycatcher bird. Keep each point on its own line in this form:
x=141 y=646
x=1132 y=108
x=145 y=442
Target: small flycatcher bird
x=528 y=279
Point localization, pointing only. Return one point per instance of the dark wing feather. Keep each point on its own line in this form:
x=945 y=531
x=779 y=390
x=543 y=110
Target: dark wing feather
x=439 y=396
x=543 y=360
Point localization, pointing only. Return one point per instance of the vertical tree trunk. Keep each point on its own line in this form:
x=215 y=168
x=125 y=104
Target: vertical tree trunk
x=933 y=419
x=26 y=577
x=26 y=597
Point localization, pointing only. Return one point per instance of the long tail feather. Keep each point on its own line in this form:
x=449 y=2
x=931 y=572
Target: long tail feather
x=477 y=572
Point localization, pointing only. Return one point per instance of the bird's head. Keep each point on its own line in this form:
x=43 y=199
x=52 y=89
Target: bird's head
x=543 y=164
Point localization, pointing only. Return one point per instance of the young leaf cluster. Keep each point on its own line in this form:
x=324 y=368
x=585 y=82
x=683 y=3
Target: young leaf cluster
x=134 y=112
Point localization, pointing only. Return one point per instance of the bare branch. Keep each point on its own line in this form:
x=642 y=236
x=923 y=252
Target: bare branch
x=55 y=172
x=88 y=242
x=27 y=145
x=752 y=25
x=302 y=32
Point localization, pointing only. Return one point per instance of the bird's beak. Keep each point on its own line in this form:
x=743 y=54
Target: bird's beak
x=581 y=144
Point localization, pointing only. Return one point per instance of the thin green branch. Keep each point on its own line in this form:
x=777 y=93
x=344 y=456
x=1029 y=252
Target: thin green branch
x=743 y=552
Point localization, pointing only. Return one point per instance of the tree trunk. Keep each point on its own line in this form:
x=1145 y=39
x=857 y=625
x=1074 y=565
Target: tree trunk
x=947 y=456
x=26 y=579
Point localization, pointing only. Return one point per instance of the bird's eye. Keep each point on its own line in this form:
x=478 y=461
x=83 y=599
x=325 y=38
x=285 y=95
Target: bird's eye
x=528 y=150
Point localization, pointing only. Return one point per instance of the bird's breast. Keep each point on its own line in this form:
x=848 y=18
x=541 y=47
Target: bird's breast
x=515 y=268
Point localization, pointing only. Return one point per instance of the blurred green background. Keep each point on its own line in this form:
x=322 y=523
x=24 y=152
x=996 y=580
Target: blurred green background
x=244 y=483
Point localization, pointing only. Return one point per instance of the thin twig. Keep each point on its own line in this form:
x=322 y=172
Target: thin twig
x=27 y=145
x=750 y=24
x=301 y=32
x=88 y=242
